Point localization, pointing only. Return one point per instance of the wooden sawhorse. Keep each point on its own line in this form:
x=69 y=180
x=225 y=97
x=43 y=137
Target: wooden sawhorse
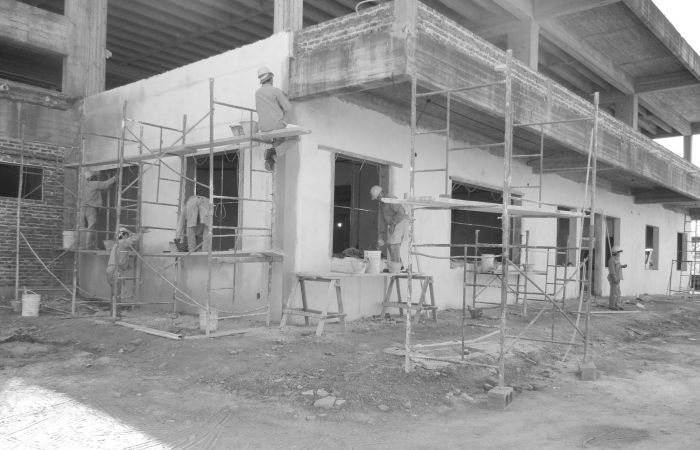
x=426 y=285
x=323 y=315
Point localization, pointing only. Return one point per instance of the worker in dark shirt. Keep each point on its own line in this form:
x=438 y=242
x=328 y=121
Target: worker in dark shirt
x=273 y=110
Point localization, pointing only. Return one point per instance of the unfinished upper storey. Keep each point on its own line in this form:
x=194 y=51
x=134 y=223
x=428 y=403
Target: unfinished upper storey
x=371 y=56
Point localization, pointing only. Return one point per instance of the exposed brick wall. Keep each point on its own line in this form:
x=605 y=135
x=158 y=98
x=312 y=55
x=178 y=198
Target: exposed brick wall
x=41 y=221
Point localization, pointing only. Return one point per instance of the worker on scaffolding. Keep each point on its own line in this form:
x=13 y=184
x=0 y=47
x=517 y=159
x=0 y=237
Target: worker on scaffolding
x=92 y=199
x=119 y=260
x=393 y=225
x=614 y=277
x=274 y=111
x=194 y=223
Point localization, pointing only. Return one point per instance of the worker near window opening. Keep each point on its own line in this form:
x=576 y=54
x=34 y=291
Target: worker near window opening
x=119 y=259
x=393 y=224
x=274 y=109
x=194 y=221
x=614 y=277
x=92 y=199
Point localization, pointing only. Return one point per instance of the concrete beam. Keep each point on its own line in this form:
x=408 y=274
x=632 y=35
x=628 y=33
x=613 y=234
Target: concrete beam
x=548 y=9
x=589 y=56
x=668 y=115
x=33 y=27
x=627 y=111
x=652 y=196
x=657 y=23
x=667 y=81
x=84 y=68
x=289 y=15
x=524 y=41
x=520 y=9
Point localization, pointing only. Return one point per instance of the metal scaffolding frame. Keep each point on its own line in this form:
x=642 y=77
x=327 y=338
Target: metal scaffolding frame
x=507 y=210
x=688 y=265
x=148 y=158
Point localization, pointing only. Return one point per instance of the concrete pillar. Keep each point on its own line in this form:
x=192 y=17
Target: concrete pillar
x=84 y=67
x=688 y=148
x=289 y=15
x=627 y=110
x=524 y=41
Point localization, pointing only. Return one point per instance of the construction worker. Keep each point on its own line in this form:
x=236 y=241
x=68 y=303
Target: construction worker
x=614 y=277
x=194 y=220
x=393 y=224
x=118 y=262
x=273 y=112
x=92 y=199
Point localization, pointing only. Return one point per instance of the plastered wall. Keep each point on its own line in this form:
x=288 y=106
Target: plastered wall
x=165 y=100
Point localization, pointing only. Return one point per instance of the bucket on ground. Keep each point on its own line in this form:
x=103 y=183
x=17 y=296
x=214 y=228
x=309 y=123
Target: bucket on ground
x=69 y=240
x=30 y=304
x=374 y=261
x=213 y=319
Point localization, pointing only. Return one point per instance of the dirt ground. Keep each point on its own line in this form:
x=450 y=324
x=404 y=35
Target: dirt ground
x=86 y=383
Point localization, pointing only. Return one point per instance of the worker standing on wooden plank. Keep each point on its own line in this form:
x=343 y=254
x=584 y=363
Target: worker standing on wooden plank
x=614 y=277
x=92 y=199
x=393 y=224
x=274 y=109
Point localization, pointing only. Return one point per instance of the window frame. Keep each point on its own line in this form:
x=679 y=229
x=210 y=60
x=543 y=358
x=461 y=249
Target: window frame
x=27 y=170
x=651 y=260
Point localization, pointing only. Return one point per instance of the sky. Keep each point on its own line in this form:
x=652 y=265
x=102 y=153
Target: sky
x=683 y=14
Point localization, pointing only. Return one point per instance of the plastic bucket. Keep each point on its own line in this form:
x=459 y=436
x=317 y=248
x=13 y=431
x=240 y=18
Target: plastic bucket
x=69 y=240
x=30 y=304
x=486 y=264
x=374 y=261
x=213 y=319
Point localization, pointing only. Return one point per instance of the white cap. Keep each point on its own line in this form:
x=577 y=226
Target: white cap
x=375 y=191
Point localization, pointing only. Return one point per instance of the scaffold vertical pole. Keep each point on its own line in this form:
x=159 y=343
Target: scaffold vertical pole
x=210 y=219
x=505 y=237
x=591 y=222
x=411 y=229
x=20 y=181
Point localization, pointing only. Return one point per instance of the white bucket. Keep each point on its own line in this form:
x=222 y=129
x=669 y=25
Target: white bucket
x=30 y=304
x=213 y=319
x=486 y=264
x=374 y=261
x=69 y=240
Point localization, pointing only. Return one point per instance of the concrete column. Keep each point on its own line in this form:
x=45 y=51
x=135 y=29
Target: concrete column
x=688 y=148
x=627 y=110
x=525 y=41
x=84 y=67
x=289 y=15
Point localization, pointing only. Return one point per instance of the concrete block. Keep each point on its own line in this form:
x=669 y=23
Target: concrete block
x=500 y=397
x=588 y=371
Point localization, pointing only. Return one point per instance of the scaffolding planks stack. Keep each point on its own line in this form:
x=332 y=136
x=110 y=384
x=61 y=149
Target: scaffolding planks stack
x=506 y=210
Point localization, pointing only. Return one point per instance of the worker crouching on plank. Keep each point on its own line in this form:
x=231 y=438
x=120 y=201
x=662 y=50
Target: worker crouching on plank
x=393 y=224
x=614 y=277
x=119 y=260
x=273 y=109
x=91 y=200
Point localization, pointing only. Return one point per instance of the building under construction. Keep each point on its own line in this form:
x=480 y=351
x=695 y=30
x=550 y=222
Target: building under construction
x=512 y=131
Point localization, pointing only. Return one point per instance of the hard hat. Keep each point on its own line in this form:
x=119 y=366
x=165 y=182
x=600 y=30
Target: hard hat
x=123 y=230
x=375 y=191
x=616 y=249
x=264 y=74
x=88 y=174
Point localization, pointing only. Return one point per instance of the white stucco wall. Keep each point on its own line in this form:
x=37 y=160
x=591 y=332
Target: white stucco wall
x=352 y=128
x=164 y=100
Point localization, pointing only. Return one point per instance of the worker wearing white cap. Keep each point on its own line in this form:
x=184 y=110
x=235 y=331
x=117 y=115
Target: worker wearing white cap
x=118 y=263
x=614 y=277
x=91 y=200
x=393 y=224
x=273 y=109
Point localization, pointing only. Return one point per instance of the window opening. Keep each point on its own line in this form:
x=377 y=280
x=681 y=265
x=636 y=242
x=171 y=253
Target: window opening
x=355 y=214
x=651 y=248
x=32 y=181
x=226 y=184
x=465 y=223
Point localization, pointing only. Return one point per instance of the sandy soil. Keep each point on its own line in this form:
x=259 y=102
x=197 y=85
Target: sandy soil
x=86 y=383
